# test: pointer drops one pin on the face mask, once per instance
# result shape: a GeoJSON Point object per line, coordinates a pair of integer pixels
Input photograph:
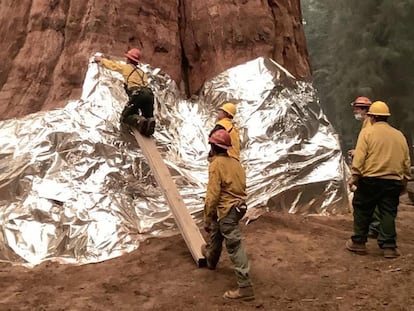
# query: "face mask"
{"type": "Point", "coordinates": [358, 117]}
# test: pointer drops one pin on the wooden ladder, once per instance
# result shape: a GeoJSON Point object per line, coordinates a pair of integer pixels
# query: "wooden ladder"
{"type": "Point", "coordinates": [185, 222]}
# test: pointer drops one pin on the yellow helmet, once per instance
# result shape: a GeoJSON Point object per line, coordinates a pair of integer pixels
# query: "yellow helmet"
{"type": "Point", "coordinates": [379, 108]}
{"type": "Point", "coordinates": [230, 108]}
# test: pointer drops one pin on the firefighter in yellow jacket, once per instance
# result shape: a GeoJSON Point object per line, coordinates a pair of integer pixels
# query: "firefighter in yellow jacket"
{"type": "Point", "coordinates": [380, 170]}
{"type": "Point", "coordinates": [225, 117]}
{"type": "Point", "coordinates": [224, 207]}
{"type": "Point", "coordinates": [139, 111]}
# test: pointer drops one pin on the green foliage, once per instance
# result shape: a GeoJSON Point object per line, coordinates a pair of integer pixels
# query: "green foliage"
{"type": "Point", "coordinates": [362, 48]}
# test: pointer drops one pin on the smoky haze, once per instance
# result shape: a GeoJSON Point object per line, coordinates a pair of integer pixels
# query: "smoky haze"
{"type": "Point", "coordinates": [362, 48]}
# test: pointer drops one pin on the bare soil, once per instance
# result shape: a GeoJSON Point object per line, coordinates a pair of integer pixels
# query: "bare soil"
{"type": "Point", "coordinates": [297, 263]}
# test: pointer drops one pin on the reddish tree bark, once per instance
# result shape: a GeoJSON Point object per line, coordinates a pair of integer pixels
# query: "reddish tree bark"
{"type": "Point", "coordinates": [46, 44]}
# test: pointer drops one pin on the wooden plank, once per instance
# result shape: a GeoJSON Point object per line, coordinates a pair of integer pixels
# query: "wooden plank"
{"type": "Point", "coordinates": [185, 222]}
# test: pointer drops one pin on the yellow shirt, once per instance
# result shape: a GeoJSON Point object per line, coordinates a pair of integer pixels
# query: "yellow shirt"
{"type": "Point", "coordinates": [228, 125]}
{"type": "Point", "coordinates": [381, 152]}
{"type": "Point", "coordinates": [226, 186]}
{"type": "Point", "coordinates": [366, 123]}
{"type": "Point", "coordinates": [136, 79]}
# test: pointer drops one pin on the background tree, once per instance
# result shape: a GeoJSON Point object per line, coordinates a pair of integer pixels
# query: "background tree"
{"type": "Point", "coordinates": [362, 48]}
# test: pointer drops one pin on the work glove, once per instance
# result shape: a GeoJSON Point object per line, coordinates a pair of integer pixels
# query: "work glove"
{"type": "Point", "coordinates": [241, 209]}
{"type": "Point", "coordinates": [353, 182]}
{"type": "Point", "coordinates": [97, 58]}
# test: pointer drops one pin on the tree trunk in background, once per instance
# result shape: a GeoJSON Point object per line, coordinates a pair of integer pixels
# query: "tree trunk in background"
{"type": "Point", "coordinates": [45, 45]}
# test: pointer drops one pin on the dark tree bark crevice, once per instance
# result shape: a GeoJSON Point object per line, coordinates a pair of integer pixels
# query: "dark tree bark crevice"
{"type": "Point", "coordinates": [185, 66]}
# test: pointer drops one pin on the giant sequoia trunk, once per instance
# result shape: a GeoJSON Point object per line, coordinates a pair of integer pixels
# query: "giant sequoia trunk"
{"type": "Point", "coordinates": [45, 44]}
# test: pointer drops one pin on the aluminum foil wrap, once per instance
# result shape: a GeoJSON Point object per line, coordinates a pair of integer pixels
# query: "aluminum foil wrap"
{"type": "Point", "coordinates": [76, 188]}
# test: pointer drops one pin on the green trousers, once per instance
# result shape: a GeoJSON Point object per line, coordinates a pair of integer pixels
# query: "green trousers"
{"type": "Point", "coordinates": [227, 229]}
{"type": "Point", "coordinates": [140, 103]}
{"type": "Point", "coordinates": [383, 194]}
{"type": "Point", "coordinates": [375, 221]}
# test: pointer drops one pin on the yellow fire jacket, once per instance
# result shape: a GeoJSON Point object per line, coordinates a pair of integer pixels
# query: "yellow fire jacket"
{"type": "Point", "coordinates": [366, 123]}
{"type": "Point", "coordinates": [228, 125]}
{"type": "Point", "coordinates": [381, 152]}
{"type": "Point", "coordinates": [226, 186]}
{"type": "Point", "coordinates": [133, 78]}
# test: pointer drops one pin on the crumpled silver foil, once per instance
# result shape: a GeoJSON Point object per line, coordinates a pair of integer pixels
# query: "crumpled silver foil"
{"type": "Point", "coordinates": [74, 188]}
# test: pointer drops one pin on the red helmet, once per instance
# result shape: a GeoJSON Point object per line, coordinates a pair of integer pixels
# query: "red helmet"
{"type": "Point", "coordinates": [133, 54]}
{"type": "Point", "coordinates": [220, 138]}
{"type": "Point", "coordinates": [361, 101]}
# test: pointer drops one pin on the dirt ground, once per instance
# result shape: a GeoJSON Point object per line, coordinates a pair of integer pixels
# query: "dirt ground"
{"type": "Point", "coordinates": [297, 263]}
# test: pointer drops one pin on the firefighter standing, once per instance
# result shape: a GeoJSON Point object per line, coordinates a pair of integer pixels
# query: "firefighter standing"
{"type": "Point", "coordinates": [380, 170]}
{"type": "Point", "coordinates": [139, 111]}
{"type": "Point", "coordinates": [224, 207]}
{"type": "Point", "coordinates": [360, 109]}
{"type": "Point", "coordinates": [225, 117]}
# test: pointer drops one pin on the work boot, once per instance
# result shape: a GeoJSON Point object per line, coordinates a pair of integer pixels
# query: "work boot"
{"type": "Point", "coordinates": [141, 124]}
{"type": "Point", "coordinates": [150, 127]}
{"type": "Point", "coordinates": [358, 248]}
{"type": "Point", "coordinates": [204, 252]}
{"type": "Point", "coordinates": [242, 293]}
{"type": "Point", "coordinates": [391, 253]}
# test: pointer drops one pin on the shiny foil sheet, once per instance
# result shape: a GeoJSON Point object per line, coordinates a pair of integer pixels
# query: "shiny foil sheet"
{"type": "Point", "coordinates": [75, 188]}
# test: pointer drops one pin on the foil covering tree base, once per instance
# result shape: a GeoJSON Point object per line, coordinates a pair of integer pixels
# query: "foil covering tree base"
{"type": "Point", "coordinates": [75, 187]}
